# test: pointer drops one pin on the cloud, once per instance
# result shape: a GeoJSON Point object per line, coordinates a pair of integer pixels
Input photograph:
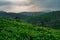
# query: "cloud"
{"type": "Point", "coordinates": [29, 5]}
{"type": "Point", "coordinates": [4, 3]}
{"type": "Point", "coordinates": [49, 4]}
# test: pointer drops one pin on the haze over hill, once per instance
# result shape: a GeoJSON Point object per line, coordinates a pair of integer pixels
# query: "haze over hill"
{"type": "Point", "coordinates": [47, 19]}
{"type": "Point", "coordinates": [13, 14]}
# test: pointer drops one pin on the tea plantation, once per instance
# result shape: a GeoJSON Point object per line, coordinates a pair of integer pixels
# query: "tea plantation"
{"type": "Point", "coordinates": [13, 30]}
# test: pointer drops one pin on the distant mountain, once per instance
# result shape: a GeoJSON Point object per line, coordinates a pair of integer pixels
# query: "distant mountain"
{"type": "Point", "coordinates": [32, 13]}
{"type": "Point", "coordinates": [46, 19]}
{"type": "Point", "coordinates": [20, 16]}
{"type": "Point", "coordinates": [11, 15]}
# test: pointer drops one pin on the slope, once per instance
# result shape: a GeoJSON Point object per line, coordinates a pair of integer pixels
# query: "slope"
{"type": "Point", "coordinates": [51, 19]}
{"type": "Point", "coordinates": [13, 30]}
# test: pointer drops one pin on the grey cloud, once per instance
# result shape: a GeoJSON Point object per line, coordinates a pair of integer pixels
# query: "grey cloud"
{"type": "Point", "coordinates": [54, 4]}
{"type": "Point", "coordinates": [35, 4]}
{"type": "Point", "coordinates": [4, 3]}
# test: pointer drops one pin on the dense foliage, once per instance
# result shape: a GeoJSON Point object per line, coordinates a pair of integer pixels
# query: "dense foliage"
{"type": "Point", "coordinates": [51, 19]}
{"type": "Point", "coordinates": [13, 30]}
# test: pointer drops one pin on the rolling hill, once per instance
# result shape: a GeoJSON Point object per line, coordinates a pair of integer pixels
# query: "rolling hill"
{"type": "Point", "coordinates": [13, 30]}
{"type": "Point", "coordinates": [22, 16]}
{"type": "Point", "coordinates": [47, 19]}
{"type": "Point", "coordinates": [11, 15]}
{"type": "Point", "coordinates": [51, 19]}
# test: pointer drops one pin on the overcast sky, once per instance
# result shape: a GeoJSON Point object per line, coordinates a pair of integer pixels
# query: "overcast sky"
{"type": "Point", "coordinates": [29, 5]}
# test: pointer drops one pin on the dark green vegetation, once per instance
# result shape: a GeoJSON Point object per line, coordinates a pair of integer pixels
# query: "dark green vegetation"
{"type": "Point", "coordinates": [30, 26]}
{"type": "Point", "coordinates": [51, 19]}
{"type": "Point", "coordinates": [13, 30]}
{"type": "Point", "coordinates": [47, 19]}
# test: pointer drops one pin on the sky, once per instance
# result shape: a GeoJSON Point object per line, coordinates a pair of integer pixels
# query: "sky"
{"type": "Point", "coordinates": [29, 5]}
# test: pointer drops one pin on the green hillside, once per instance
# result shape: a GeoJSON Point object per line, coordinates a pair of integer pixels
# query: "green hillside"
{"type": "Point", "coordinates": [13, 30]}
{"type": "Point", "coordinates": [51, 19]}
